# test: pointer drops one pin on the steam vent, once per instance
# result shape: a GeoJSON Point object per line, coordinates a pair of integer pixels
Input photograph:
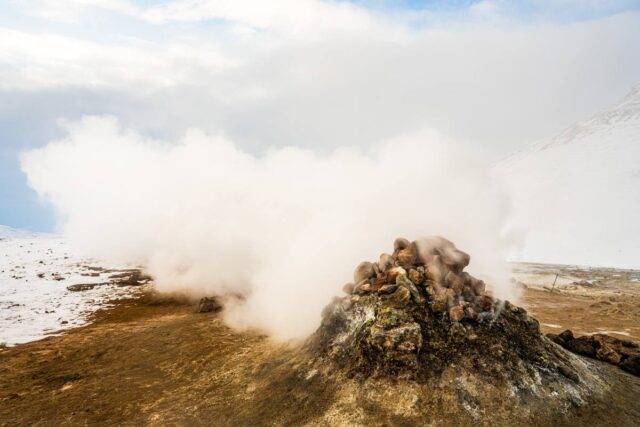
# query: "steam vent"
{"type": "Point", "coordinates": [416, 317]}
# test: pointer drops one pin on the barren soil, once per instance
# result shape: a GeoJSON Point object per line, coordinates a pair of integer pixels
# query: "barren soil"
{"type": "Point", "coordinates": [157, 362]}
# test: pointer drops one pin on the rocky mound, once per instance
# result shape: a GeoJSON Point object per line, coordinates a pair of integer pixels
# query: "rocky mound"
{"type": "Point", "coordinates": [416, 315]}
{"type": "Point", "coordinates": [416, 311]}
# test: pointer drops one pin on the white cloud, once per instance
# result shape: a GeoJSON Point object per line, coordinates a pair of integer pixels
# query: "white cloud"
{"type": "Point", "coordinates": [35, 61]}
{"type": "Point", "coordinates": [293, 17]}
{"type": "Point", "coordinates": [71, 11]}
{"type": "Point", "coordinates": [495, 86]}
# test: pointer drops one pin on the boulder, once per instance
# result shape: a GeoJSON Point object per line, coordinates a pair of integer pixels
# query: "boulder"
{"type": "Point", "coordinates": [403, 280]}
{"type": "Point", "coordinates": [456, 313]}
{"type": "Point", "coordinates": [582, 345]}
{"type": "Point", "coordinates": [209, 305]}
{"type": "Point", "coordinates": [632, 364]}
{"type": "Point", "coordinates": [408, 257]}
{"type": "Point", "coordinates": [363, 271]}
{"type": "Point", "coordinates": [400, 243]}
{"type": "Point", "coordinates": [477, 286]}
{"type": "Point", "coordinates": [435, 271]}
{"type": "Point", "coordinates": [606, 353]}
{"type": "Point", "coordinates": [399, 298]}
{"type": "Point", "coordinates": [348, 288]}
{"type": "Point", "coordinates": [450, 256]}
{"type": "Point", "coordinates": [80, 287]}
{"type": "Point", "coordinates": [416, 276]}
{"type": "Point", "coordinates": [393, 273]}
{"type": "Point", "coordinates": [387, 289]}
{"type": "Point", "coordinates": [363, 288]}
{"type": "Point", "coordinates": [484, 302]}
{"type": "Point", "coordinates": [385, 262]}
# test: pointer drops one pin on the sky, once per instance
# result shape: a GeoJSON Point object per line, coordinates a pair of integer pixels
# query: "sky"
{"type": "Point", "coordinates": [494, 75]}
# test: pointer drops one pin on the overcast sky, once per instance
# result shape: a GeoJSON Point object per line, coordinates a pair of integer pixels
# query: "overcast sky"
{"type": "Point", "coordinates": [494, 75]}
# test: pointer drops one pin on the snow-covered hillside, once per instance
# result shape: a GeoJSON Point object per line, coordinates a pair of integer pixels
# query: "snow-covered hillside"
{"type": "Point", "coordinates": [35, 271]}
{"type": "Point", "coordinates": [6, 232]}
{"type": "Point", "coordinates": [577, 194]}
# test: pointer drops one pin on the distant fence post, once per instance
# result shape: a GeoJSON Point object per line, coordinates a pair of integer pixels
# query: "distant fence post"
{"type": "Point", "coordinates": [554, 283]}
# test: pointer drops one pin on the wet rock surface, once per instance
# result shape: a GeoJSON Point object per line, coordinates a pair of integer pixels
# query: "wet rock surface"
{"type": "Point", "coordinates": [625, 354]}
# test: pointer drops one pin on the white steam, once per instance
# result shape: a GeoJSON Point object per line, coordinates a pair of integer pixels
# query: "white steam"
{"type": "Point", "coordinates": [285, 229]}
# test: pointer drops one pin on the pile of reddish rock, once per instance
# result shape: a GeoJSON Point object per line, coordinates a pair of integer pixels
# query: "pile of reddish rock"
{"type": "Point", "coordinates": [623, 353]}
{"type": "Point", "coordinates": [429, 272]}
{"type": "Point", "coordinates": [416, 312]}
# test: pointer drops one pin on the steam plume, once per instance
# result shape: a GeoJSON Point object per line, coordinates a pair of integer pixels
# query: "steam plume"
{"type": "Point", "coordinates": [284, 229]}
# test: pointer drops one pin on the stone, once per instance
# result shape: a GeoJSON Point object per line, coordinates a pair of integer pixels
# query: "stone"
{"type": "Point", "coordinates": [485, 316]}
{"type": "Point", "coordinates": [582, 345]}
{"type": "Point", "coordinates": [451, 297]}
{"type": "Point", "coordinates": [431, 290]}
{"type": "Point", "coordinates": [208, 305]}
{"type": "Point", "coordinates": [363, 271]}
{"type": "Point", "coordinates": [439, 303]}
{"type": "Point", "coordinates": [400, 243]}
{"type": "Point", "coordinates": [448, 254]}
{"type": "Point", "coordinates": [631, 364]}
{"type": "Point", "coordinates": [477, 286]}
{"type": "Point", "coordinates": [403, 280]}
{"type": "Point", "coordinates": [393, 273]}
{"type": "Point", "coordinates": [607, 354]}
{"type": "Point", "coordinates": [416, 276]}
{"type": "Point", "coordinates": [456, 313]}
{"type": "Point", "coordinates": [376, 269]}
{"type": "Point", "coordinates": [484, 302]}
{"type": "Point", "coordinates": [348, 288]}
{"type": "Point", "coordinates": [435, 271]}
{"type": "Point", "coordinates": [531, 323]}
{"type": "Point", "coordinates": [566, 336]}
{"type": "Point", "coordinates": [623, 347]}
{"type": "Point", "coordinates": [408, 256]}
{"type": "Point", "coordinates": [387, 289]}
{"type": "Point", "coordinates": [83, 287]}
{"type": "Point", "coordinates": [399, 346]}
{"type": "Point", "coordinates": [400, 298]}
{"type": "Point", "coordinates": [470, 313]}
{"type": "Point", "coordinates": [455, 283]}
{"type": "Point", "coordinates": [556, 339]}
{"type": "Point", "coordinates": [363, 288]}
{"type": "Point", "coordinates": [377, 284]}
{"type": "Point", "coordinates": [385, 263]}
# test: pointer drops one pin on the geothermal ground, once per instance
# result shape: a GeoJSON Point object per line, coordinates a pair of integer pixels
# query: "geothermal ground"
{"type": "Point", "coordinates": [147, 359]}
{"type": "Point", "coordinates": [150, 360]}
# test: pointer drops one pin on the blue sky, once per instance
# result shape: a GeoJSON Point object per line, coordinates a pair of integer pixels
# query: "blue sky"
{"type": "Point", "coordinates": [496, 75]}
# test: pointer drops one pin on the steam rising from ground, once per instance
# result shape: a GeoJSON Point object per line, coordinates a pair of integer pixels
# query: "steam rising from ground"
{"type": "Point", "coordinates": [285, 229]}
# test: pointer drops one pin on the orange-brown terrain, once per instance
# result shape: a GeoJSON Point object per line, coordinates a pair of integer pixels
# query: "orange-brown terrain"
{"type": "Point", "coordinates": [155, 361]}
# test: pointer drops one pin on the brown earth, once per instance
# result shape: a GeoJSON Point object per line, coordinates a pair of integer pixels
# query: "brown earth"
{"type": "Point", "coordinates": [149, 361]}
{"type": "Point", "coordinates": [585, 300]}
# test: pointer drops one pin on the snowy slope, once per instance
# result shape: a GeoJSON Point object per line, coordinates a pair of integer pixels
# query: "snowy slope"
{"type": "Point", "coordinates": [577, 194]}
{"type": "Point", "coordinates": [6, 232]}
{"type": "Point", "coordinates": [35, 270]}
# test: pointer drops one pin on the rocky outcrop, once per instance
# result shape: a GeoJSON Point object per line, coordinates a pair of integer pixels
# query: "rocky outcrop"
{"type": "Point", "coordinates": [625, 354]}
{"type": "Point", "coordinates": [209, 305]}
{"type": "Point", "coordinates": [415, 313]}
